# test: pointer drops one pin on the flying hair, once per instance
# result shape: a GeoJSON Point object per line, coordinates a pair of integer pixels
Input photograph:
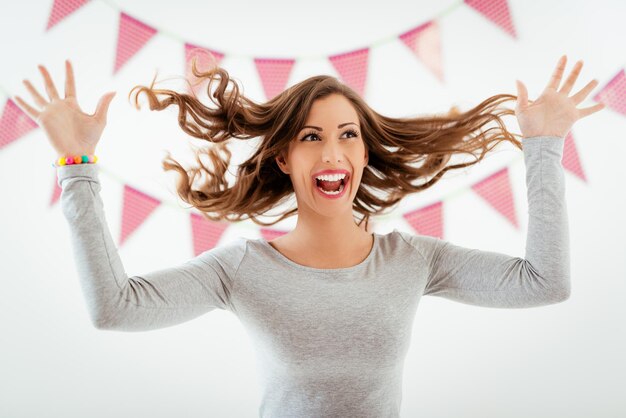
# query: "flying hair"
{"type": "Point", "coordinates": [406, 154]}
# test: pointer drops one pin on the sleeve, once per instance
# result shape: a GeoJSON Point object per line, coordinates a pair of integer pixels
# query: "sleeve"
{"type": "Point", "coordinates": [492, 279]}
{"type": "Point", "coordinates": [157, 299]}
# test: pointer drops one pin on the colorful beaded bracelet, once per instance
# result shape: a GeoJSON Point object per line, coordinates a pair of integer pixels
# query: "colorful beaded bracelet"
{"type": "Point", "coordinates": [75, 159]}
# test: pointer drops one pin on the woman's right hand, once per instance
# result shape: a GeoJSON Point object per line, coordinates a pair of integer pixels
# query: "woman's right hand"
{"type": "Point", "coordinates": [70, 130]}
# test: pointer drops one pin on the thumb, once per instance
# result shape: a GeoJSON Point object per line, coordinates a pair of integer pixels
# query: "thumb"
{"type": "Point", "coordinates": [103, 106]}
{"type": "Point", "coordinates": [522, 95]}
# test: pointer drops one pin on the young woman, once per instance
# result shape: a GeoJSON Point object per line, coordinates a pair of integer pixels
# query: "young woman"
{"type": "Point", "coordinates": [329, 305]}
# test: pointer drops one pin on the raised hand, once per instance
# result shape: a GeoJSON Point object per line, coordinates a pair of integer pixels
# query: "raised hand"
{"type": "Point", "coordinates": [554, 112]}
{"type": "Point", "coordinates": [70, 130]}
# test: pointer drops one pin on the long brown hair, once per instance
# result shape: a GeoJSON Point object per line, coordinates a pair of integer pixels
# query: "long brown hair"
{"type": "Point", "coordinates": [396, 145]}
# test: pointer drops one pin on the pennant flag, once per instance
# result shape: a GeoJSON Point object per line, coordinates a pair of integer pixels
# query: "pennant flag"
{"type": "Point", "coordinates": [274, 74]}
{"type": "Point", "coordinates": [425, 42]}
{"type": "Point", "coordinates": [14, 123]}
{"type": "Point", "coordinates": [570, 161]}
{"type": "Point", "coordinates": [613, 95]}
{"type": "Point", "coordinates": [63, 8]}
{"type": "Point", "coordinates": [269, 233]}
{"type": "Point", "coordinates": [427, 220]}
{"type": "Point", "coordinates": [352, 67]}
{"type": "Point", "coordinates": [496, 190]}
{"type": "Point", "coordinates": [495, 10]}
{"type": "Point", "coordinates": [136, 208]}
{"type": "Point", "coordinates": [205, 60]}
{"type": "Point", "coordinates": [206, 234]}
{"type": "Point", "coordinates": [56, 192]}
{"type": "Point", "coordinates": [132, 36]}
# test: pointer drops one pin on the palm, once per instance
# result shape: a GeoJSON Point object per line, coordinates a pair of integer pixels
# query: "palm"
{"type": "Point", "coordinates": [64, 121]}
{"type": "Point", "coordinates": [554, 113]}
{"type": "Point", "coordinates": [69, 129]}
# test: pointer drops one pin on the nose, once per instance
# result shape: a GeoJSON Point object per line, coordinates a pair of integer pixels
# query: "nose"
{"type": "Point", "coordinates": [332, 152]}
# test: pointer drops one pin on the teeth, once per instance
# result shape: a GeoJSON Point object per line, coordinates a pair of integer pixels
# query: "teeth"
{"type": "Point", "coordinates": [331, 177]}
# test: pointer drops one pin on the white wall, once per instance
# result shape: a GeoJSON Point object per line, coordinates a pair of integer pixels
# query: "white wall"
{"type": "Point", "coordinates": [464, 361]}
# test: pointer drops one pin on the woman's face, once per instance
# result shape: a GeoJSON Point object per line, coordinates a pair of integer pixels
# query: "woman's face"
{"type": "Point", "coordinates": [330, 140]}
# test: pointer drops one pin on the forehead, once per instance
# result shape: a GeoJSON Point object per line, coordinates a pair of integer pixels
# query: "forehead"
{"type": "Point", "coordinates": [332, 110]}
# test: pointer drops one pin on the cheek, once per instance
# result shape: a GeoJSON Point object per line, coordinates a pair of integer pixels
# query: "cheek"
{"type": "Point", "coordinates": [301, 183]}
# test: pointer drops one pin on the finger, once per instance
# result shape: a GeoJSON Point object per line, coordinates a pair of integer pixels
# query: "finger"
{"type": "Point", "coordinates": [32, 112]}
{"type": "Point", "coordinates": [38, 99]}
{"type": "Point", "coordinates": [569, 83]}
{"type": "Point", "coordinates": [70, 87]}
{"type": "Point", "coordinates": [586, 111]}
{"type": "Point", "coordinates": [52, 91]}
{"type": "Point", "coordinates": [522, 95]}
{"type": "Point", "coordinates": [557, 74]}
{"type": "Point", "coordinates": [103, 106]}
{"type": "Point", "coordinates": [584, 92]}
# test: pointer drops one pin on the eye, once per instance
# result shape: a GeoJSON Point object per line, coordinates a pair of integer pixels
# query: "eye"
{"type": "Point", "coordinates": [349, 131]}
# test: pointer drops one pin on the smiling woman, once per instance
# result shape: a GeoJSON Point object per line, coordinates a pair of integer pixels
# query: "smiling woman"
{"type": "Point", "coordinates": [330, 307]}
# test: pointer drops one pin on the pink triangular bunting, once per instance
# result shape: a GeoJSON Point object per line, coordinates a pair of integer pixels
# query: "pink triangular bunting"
{"type": "Point", "coordinates": [63, 8]}
{"type": "Point", "coordinates": [427, 220]}
{"type": "Point", "coordinates": [496, 190]}
{"type": "Point", "coordinates": [352, 67]}
{"type": "Point", "coordinates": [613, 95]}
{"type": "Point", "coordinates": [205, 60]}
{"type": "Point", "coordinates": [497, 11]}
{"type": "Point", "coordinates": [136, 208]}
{"type": "Point", "coordinates": [274, 74]}
{"type": "Point", "coordinates": [14, 123]}
{"type": "Point", "coordinates": [132, 36]}
{"type": "Point", "coordinates": [206, 234]}
{"type": "Point", "coordinates": [425, 42]}
{"type": "Point", "coordinates": [571, 160]}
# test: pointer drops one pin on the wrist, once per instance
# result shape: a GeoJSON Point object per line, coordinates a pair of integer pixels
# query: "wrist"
{"type": "Point", "coordinates": [73, 159]}
{"type": "Point", "coordinates": [77, 151]}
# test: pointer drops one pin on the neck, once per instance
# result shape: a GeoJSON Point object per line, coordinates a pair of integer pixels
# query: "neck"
{"type": "Point", "coordinates": [331, 237]}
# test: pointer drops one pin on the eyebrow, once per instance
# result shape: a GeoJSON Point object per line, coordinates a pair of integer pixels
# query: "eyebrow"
{"type": "Point", "coordinates": [320, 129]}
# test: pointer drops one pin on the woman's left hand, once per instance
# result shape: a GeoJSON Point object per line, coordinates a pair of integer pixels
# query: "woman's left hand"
{"type": "Point", "coordinates": [554, 113]}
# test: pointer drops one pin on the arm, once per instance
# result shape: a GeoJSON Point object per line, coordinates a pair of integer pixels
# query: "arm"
{"type": "Point", "coordinates": [158, 299]}
{"type": "Point", "coordinates": [496, 280]}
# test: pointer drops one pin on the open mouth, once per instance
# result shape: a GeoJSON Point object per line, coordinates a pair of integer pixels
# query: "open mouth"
{"type": "Point", "coordinates": [332, 188]}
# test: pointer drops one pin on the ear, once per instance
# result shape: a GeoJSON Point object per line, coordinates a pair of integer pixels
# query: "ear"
{"type": "Point", "coordinates": [366, 158]}
{"type": "Point", "coordinates": [282, 165]}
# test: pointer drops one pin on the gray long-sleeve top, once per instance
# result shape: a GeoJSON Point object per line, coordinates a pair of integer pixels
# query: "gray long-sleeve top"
{"type": "Point", "coordinates": [329, 342]}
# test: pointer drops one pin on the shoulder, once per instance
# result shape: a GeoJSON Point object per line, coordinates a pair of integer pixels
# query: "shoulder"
{"type": "Point", "coordinates": [226, 257]}
{"type": "Point", "coordinates": [425, 245]}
